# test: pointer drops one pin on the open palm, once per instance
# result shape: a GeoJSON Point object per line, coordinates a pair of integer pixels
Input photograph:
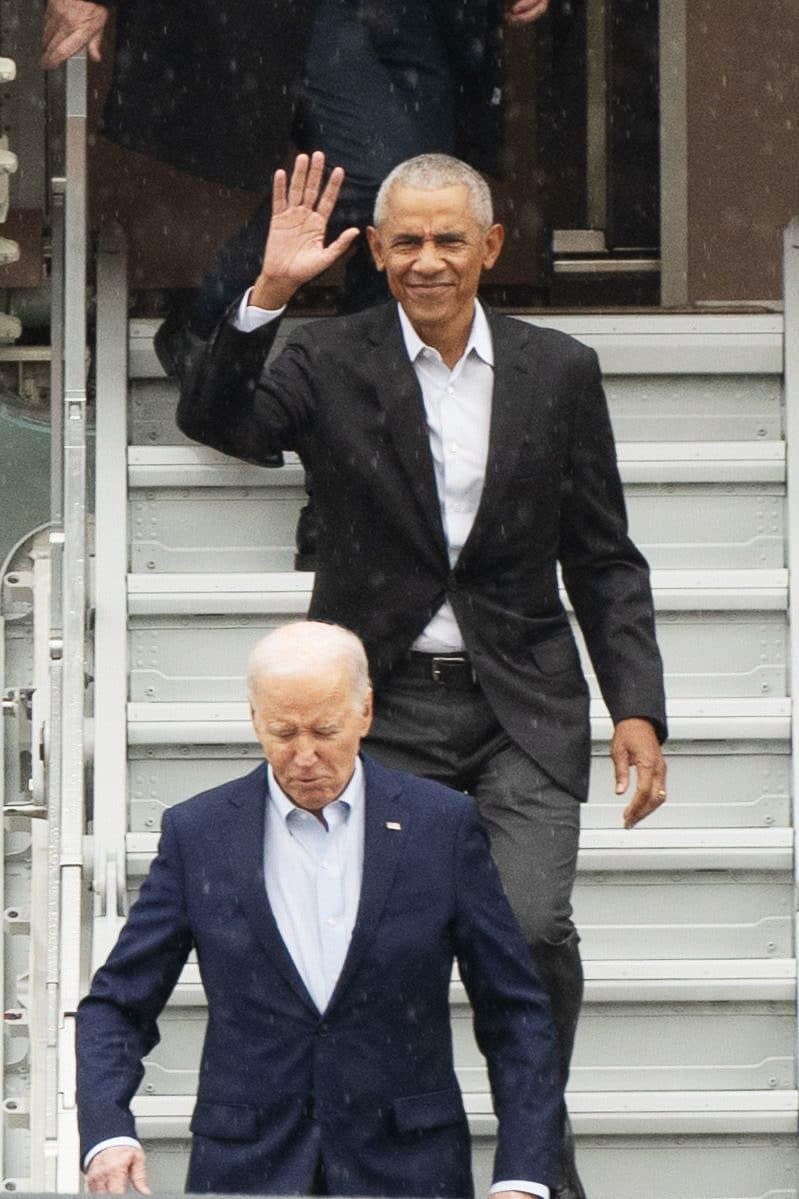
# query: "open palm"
{"type": "Point", "coordinates": [295, 247]}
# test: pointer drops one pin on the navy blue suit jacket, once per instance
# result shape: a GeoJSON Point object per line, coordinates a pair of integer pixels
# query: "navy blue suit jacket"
{"type": "Point", "coordinates": [368, 1086]}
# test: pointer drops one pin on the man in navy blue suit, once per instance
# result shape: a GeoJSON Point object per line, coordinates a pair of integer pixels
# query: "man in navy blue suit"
{"type": "Point", "coordinates": [326, 898]}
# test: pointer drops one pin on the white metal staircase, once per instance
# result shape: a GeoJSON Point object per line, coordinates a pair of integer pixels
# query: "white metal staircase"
{"type": "Point", "coordinates": [684, 1075]}
{"type": "Point", "coordinates": [684, 1079]}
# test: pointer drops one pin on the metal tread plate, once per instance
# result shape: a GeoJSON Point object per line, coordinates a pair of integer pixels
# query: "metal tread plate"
{"type": "Point", "coordinates": [689, 720]}
{"type": "Point", "coordinates": [612, 1113]}
{"type": "Point", "coordinates": [639, 462]}
{"type": "Point", "coordinates": [645, 344]}
{"type": "Point", "coordinates": [252, 593]}
{"type": "Point", "coordinates": [744, 980]}
{"type": "Point", "coordinates": [608, 851]}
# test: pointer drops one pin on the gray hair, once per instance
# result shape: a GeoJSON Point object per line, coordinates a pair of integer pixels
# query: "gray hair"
{"type": "Point", "coordinates": [432, 171]}
{"type": "Point", "coordinates": [304, 647]}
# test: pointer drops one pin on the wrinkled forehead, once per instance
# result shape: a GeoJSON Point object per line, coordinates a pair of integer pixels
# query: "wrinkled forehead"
{"type": "Point", "coordinates": [422, 209]}
{"type": "Point", "coordinates": [327, 689]}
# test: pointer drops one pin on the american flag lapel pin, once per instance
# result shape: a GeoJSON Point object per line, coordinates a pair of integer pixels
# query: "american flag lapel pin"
{"type": "Point", "coordinates": [394, 825]}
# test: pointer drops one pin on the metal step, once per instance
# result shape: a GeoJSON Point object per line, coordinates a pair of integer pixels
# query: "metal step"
{"type": "Point", "coordinates": [689, 720]}
{"type": "Point", "coordinates": [249, 513]}
{"type": "Point", "coordinates": [712, 784]}
{"type": "Point", "coordinates": [263, 594]}
{"type": "Point", "coordinates": [639, 462]}
{"type": "Point", "coordinates": [656, 1113]}
{"type": "Point", "coordinates": [732, 654]}
{"type": "Point", "coordinates": [734, 980]}
{"type": "Point", "coordinates": [672, 1046]}
{"type": "Point", "coordinates": [696, 408]}
{"type": "Point", "coordinates": [638, 344]}
{"type": "Point", "coordinates": [606, 851]}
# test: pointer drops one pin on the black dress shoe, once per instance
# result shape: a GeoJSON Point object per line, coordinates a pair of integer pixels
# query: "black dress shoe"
{"type": "Point", "coordinates": [176, 345]}
{"type": "Point", "coordinates": [567, 1191]}
{"type": "Point", "coordinates": [569, 1184]}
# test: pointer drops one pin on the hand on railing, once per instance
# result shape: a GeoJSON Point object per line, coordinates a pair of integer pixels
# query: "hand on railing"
{"type": "Point", "coordinates": [524, 12]}
{"type": "Point", "coordinates": [69, 27]}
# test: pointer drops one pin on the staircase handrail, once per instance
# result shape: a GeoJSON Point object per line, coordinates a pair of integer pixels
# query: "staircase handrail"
{"type": "Point", "coordinates": [791, 418]}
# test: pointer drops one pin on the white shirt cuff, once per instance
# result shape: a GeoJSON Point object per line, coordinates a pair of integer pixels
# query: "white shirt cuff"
{"type": "Point", "coordinates": [521, 1184]}
{"type": "Point", "coordinates": [109, 1144]}
{"type": "Point", "coordinates": [248, 318]}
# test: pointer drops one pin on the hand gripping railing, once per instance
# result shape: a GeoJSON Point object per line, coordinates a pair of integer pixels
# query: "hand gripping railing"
{"type": "Point", "coordinates": [791, 344]}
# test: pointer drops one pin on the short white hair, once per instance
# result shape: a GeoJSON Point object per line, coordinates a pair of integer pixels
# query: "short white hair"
{"type": "Point", "coordinates": [429, 172]}
{"type": "Point", "coordinates": [304, 647]}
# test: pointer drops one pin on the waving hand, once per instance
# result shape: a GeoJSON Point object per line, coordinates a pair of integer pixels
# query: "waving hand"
{"type": "Point", "coordinates": [295, 247]}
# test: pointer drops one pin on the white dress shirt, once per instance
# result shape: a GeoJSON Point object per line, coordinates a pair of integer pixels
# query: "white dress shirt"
{"type": "Point", "coordinates": [457, 406]}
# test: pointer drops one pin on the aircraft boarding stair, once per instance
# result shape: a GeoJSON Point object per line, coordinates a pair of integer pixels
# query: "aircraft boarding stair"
{"type": "Point", "coordinates": [684, 1080]}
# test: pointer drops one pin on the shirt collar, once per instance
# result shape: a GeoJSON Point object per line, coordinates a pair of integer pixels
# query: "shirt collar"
{"type": "Point", "coordinates": [350, 798]}
{"type": "Point", "coordinates": [479, 336]}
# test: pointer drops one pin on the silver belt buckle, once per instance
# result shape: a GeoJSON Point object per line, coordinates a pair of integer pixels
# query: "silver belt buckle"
{"type": "Point", "coordinates": [440, 662]}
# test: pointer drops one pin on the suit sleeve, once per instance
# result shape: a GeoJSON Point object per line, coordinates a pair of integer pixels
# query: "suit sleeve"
{"type": "Point", "coordinates": [605, 575]}
{"type": "Point", "coordinates": [232, 402]}
{"type": "Point", "coordinates": [116, 1022]}
{"type": "Point", "coordinates": [512, 1019]}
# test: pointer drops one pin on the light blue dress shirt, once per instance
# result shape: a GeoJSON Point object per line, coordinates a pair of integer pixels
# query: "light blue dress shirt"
{"type": "Point", "coordinates": [313, 870]}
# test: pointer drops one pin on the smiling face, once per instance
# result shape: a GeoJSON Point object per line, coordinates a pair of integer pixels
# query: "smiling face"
{"type": "Point", "coordinates": [310, 728]}
{"type": "Point", "coordinates": [434, 250]}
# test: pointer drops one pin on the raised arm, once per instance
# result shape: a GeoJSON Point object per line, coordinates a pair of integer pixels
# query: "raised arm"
{"type": "Point", "coordinates": [221, 404]}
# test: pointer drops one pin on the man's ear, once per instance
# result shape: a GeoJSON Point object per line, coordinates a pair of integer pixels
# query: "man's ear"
{"type": "Point", "coordinates": [373, 237]}
{"type": "Point", "coordinates": [368, 712]}
{"type": "Point", "coordinates": [494, 241]}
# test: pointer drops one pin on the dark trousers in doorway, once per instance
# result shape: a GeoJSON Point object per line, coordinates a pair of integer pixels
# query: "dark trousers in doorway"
{"type": "Point", "coordinates": [377, 90]}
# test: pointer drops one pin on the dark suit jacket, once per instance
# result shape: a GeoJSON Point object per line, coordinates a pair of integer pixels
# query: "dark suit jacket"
{"type": "Point", "coordinates": [210, 86]}
{"type": "Point", "coordinates": [344, 394]}
{"type": "Point", "coordinates": [369, 1084]}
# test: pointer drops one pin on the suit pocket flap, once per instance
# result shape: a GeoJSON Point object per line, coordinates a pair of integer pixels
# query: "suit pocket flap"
{"type": "Point", "coordinates": [433, 1110]}
{"type": "Point", "coordinates": [225, 1121]}
{"type": "Point", "coordinates": [556, 653]}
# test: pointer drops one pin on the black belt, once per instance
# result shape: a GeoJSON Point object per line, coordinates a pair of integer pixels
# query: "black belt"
{"type": "Point", "coordinates": [448, 670]}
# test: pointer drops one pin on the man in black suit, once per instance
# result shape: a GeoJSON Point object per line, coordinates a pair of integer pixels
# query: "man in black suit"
{"type": "Point", "coordinates": [458, 458]}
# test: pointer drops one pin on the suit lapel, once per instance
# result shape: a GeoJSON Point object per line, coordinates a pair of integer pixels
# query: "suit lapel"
{"type": "Point", "coordinates": [514, 414]}
{"type": "Point", "coordinates": [247, 863]}
{"type": "Point", "coordinates": [400, 397]}
{"type": "Point", "coordinates": [384, 843]}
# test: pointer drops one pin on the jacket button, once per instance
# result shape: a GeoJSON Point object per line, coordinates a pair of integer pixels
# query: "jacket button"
{"type": "Point", "coordinates": [322, 1030]}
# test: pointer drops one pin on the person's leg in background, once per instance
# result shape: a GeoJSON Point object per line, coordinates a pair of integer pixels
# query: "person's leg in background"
{"type": "Point", "coordinates": [377, 90]}
{"type": "Point", "coordinates": [449, 733]}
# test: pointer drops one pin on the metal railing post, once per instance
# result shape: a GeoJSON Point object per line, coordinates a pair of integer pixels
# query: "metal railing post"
{"type": "Point", "coordinates": [67, 654]}
{"type": "Point", "coordinates": [109, 809]}
{"type": "Point", "coordinates": [791, 416]}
